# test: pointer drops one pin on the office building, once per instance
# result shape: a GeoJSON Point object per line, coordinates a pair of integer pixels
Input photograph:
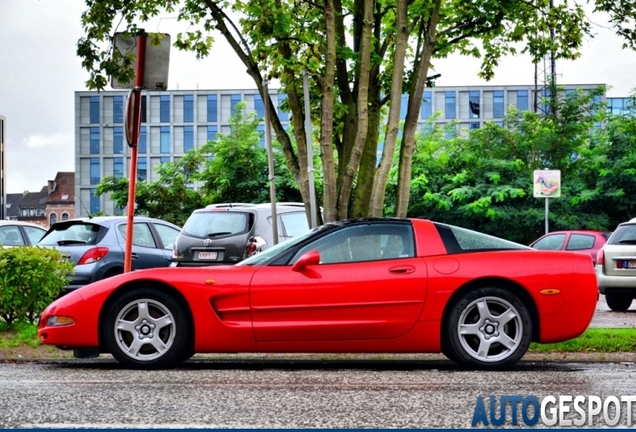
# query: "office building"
{"type": "Point", "coordinates": [172, 122]}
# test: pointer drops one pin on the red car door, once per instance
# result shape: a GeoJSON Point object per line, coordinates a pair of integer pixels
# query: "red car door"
{"type": "Point", "coordinates": [375, 297]}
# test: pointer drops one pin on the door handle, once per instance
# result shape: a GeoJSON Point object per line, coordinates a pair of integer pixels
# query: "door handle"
{"type": "Point", "coordinates": [402, 269]}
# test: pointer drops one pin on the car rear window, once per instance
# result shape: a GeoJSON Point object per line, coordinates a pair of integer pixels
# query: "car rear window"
{"type": "Point", "coordinates": [69, 234]}
{"type": "Point", "coordinates": [215, 223]}
{"type": "Point", "coordinates": [458, 240]}
{"type": "Point", "coordinates": [624, 234]}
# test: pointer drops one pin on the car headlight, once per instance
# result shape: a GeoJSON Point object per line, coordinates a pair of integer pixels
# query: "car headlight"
{"type": "Point", "coordinates": [59, 320]}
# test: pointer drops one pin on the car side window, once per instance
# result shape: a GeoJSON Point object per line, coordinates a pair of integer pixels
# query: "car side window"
{"type": "Point", "coordinates": [34, 234]}
{"type": "Point", "coordinates": [363, 243]}
{"type": "Point", "coordinates": [294, 223]}
{"type": "Point", "coordinates": [580, 241]}
{"type": "Point", "coordinates": [10, 236]}
{"type": "Point", "coordinates": [167, 235]}
{"type": "Point", "coordinates": [551, 242]}
{"type": "Point", "coordinates": [141, 235]}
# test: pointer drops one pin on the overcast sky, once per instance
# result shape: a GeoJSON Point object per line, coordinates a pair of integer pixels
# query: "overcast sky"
{"type": "Point", "coordinates": [40, 73]}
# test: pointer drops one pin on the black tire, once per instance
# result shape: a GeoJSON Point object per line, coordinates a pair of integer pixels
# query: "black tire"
{"type": "Point", "coordinates": [148, 329]}
{"type": "Point", "coordinates": [617, 301]}
{"type": "Point", "coordinates": [487, 328]}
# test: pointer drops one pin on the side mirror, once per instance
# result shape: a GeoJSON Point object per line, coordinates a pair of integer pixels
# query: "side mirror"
{"type": "Point", "coordinates": [310, 258]}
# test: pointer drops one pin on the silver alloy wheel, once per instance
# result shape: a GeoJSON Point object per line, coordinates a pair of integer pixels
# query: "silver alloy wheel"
{"type": "Point", "coordinates": [144, 329]}
{"type": "Point", "coordinates": [490, 329]}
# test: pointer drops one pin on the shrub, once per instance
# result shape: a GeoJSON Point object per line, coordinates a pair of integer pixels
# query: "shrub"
{"type": "Point", "coordinates": [30, 278]}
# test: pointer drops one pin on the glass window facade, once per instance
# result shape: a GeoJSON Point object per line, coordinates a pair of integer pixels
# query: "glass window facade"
{"type": "Point", "coordinates": [474, 125]}
{"type": "Point", "coordinates": [143, 140]}
{"type": "Point", "coordinates": [522, 100]}
{"type": "Point", "coordinates": [95, 175]}
{"type": "Point", "coordinates": [164, 108]}
{"type": "Point", "coordinates": [212, 108]}
{"type": "Point", "coordinates": [142, 168]}
{"type": "Point", "coordinates": [473, 105]}
{"type": "Point", "coordinates": [95, 204]}
{"type": "Point", "coordinates": [188, 108]}
{"type": "Point", "coordinates": [118, 140]}
{"type": "Point", "coordinates": [164, 139]}
{"type": "Point", "coordinates": [94, 144]}
{"type": "Point", "coordinates": [94, 109]}
{"type": "Point", "coordinates": [259, 106]}
{"type": "Point", "coordinates": [427, 105]}
{"type": "Point", "coordinates": [498, 104]}
{"type": "Point", "coordinates": [118, 167]}
{"type": "Point", "coordinates": [188, 138]}
{"type": "Point", "coordinates": [118, 109]}
{"type": "Point", "coordinates": [450, 100]}
{"type": "Point", "coordinates": [212, 133]}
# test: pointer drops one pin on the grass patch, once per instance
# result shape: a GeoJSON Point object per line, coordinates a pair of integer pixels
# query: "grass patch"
{"type": "Point", "coordinates": [603, 340]}
{"type": "Point", "coordinates": [21, 334]}
{"type": "Point", "coordinates": [594, 340]}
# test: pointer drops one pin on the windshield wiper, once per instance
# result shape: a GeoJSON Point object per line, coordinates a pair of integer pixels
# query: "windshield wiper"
{"type": "Point", "coordinates": [70, 242]}
{"type": "Point", "coordinates": [220, 233]}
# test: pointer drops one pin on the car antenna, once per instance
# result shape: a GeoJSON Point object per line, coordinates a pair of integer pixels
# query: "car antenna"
{"type": "Point", "coordinates": [90, 216]}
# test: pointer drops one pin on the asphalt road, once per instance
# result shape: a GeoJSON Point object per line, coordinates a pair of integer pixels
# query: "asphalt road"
{"type": "Point", "coordinates": [410, 392]}
{"type": "Point", "coordinates": [604, 317]}
{"type": "Point", "coordinates": [296, 391]}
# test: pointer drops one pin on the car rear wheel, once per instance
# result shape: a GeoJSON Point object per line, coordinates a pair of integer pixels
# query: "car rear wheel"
{"type": "Point", "coordinates": [148, 329]}
{"type": "Point", "coordinates": [487, 328]}
{"type": "Point", "coordinates": [618, 302]}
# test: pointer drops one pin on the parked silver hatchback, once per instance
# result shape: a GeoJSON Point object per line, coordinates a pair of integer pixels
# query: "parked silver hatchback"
{"type": "Point", "coordinates": [616, 267]}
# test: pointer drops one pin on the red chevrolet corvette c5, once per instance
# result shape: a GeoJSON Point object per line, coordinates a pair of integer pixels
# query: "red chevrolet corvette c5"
{"type": "Point", "coordinates": [359, 286]}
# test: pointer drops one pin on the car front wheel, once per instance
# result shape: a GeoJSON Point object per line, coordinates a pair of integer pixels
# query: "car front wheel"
{"type": "Point", "coordinates": [487, 328]}
{"type": "Point", "coordinates": [618, 302]}
{"type": "Point", "coordinates": [148, 329]}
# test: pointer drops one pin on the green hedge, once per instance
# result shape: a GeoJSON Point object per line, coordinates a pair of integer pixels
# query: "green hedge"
{"type": "Point", "coordinates": [30, 278]}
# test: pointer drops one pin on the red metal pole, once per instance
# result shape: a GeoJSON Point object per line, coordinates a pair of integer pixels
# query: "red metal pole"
{"type": "Point", "coordinates": [139, 82]}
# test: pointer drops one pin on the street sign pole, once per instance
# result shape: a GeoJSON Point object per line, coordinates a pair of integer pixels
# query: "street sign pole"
{"type": "Point", "coordinates": [133, 126]}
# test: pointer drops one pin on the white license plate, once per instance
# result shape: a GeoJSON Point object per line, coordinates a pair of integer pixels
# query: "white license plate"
{"type": "Point", "coordinates": [208, 255]}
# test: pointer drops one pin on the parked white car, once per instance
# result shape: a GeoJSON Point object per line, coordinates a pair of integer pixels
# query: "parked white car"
{"type": "Point", "coordinates": [616, 267]}
{"type": "Point", "coordinates": [18, 233]}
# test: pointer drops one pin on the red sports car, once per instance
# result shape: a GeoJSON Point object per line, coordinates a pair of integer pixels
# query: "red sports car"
{"type": "Point", "coordinates": [358, 286]}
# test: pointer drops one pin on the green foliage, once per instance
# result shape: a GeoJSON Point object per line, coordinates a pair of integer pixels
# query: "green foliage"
{"type": "Point", "coordinates": [30, 279]}
{"type": "Point", "coordinates": [483, 179]}
{"type": "Point", "coordinates": [236, 165]}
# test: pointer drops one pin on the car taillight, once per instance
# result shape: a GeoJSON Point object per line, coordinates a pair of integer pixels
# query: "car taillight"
{"type": "Point", "coordinates": [600, 257]}
{"type": "Point", "coordinates": [254, 245]}
{"type": "Point", "coordinates": [93, 255]}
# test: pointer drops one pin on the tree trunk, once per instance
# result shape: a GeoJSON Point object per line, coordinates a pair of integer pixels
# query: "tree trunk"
{"type": "Point", "coordinates": [415, 104]}
{"type": "Point", "coordinates": [326, 121]}
{"type": "Point", "coordinates": [392, 128]}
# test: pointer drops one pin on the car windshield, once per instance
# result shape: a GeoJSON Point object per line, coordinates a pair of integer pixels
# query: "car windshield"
{"type": "Point", "coordinates": [263, 257]}
{"type": "Point", "coordinates": [69, 234]}
{"type": "Point", "coordinates": [213, 223]}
